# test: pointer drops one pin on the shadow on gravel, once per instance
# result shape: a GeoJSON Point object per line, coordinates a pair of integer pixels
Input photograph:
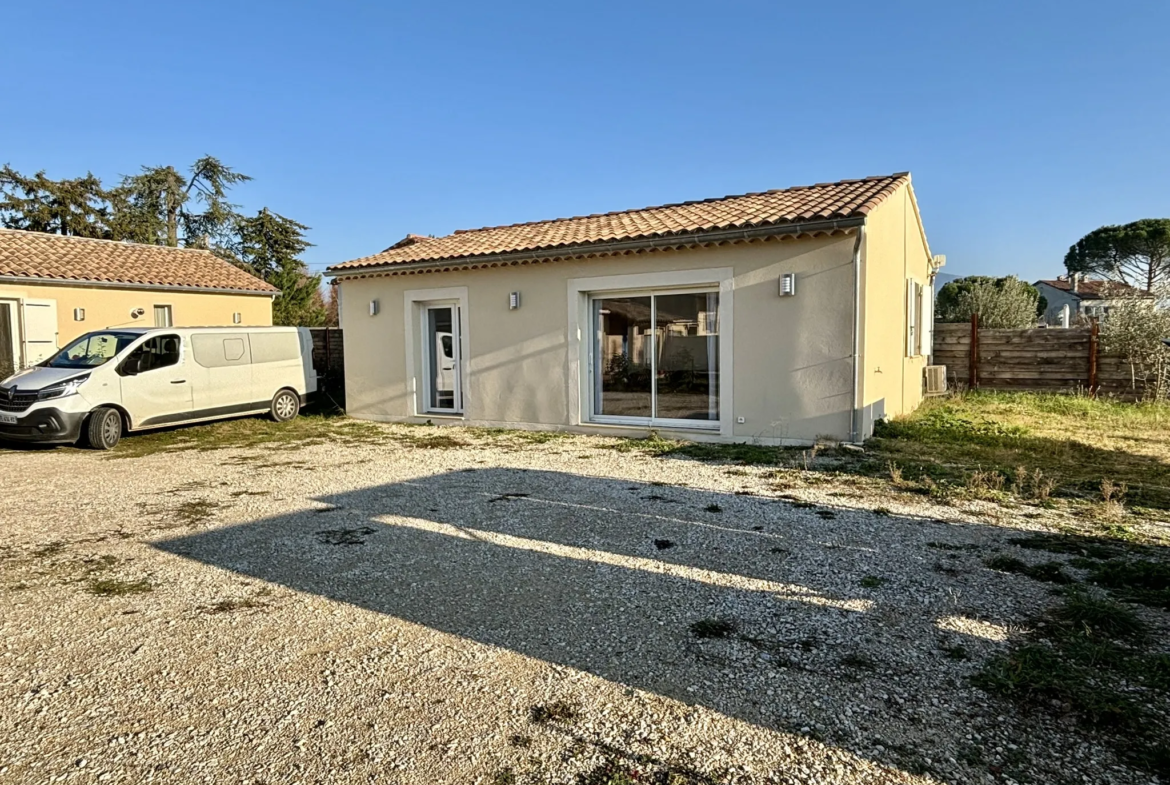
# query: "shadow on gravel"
{"type": "Point", "coordinates": [856, 630]}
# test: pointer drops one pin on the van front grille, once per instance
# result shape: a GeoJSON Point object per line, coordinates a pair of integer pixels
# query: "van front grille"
{"type": "Point", "coordinates": [13, 401]}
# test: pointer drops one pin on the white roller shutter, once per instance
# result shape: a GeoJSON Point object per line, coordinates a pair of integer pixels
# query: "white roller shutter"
{"type": "Point", "coordinates": [928, 320]}
{"type": "Point", "coordinates": [40, 330]}
{"type": "Point", "coordinates": [911, 320]}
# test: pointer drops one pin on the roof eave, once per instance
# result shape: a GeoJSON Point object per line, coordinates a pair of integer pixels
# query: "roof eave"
{"type": "Point", "coordinates": [35, 280]}
{"type": "Point", "coordinates": [664, 242]}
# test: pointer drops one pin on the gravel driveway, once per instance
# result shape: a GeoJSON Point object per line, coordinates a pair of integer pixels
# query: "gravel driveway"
{"type": "Point", "coordinates": [500, 612]}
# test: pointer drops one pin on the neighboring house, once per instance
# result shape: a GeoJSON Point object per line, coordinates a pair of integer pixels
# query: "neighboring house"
{"type": "Point", "coordinates": [54, 288]}
{"type": "Point", "coordinates": [1084, 297]}
{"type": "Point", "coordinates": [782, 317]}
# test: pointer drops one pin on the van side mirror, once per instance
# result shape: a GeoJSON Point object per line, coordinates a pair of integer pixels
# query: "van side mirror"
{"type": "Point", "coordinates": [132, 365]}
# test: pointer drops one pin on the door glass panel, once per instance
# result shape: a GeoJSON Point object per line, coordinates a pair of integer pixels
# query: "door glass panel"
{"type": "Point", "coordinates": [442, 365]}
{"type": "Point", "coordinates": [687, 345]}
{"type": "Point", "coordinates": [622, 356]}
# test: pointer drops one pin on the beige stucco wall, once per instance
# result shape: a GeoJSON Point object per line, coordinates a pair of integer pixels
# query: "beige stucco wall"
{"type": "Point", "coordinates": [791, 364]}
{"type": "Point", "coordinates": [895, 251]}
{"type": "Point", "coordinates": [111, 307]}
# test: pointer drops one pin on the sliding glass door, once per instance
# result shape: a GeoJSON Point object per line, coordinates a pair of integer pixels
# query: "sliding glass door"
{"type": "Point", "coordinates": [656, 358]}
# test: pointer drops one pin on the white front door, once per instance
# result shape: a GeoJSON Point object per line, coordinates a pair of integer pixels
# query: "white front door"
{"type": "Point", "coordinates": [156, 388]}
{"type": "Point", "coordinates": [442, 354]}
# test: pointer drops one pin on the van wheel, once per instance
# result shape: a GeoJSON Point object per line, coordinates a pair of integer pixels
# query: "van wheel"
{"type": "Point", "coordinates": [285, 406]}
{"type": "Point", "coordinates": [104, 429]}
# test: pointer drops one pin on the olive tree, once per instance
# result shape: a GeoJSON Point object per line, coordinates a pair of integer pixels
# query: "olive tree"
{"type": "Point", "coordinates": [1000, 302]}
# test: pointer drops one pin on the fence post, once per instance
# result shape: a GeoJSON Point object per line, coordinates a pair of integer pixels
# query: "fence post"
{"type": "Point", "coordinates": [973, 362]}
{"type": "Point", "coordinates": [1094, 334]}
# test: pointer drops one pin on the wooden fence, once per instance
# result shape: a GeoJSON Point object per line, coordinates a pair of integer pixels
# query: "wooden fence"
{"type": "Point", "coordinates": [1044, 360]}
{"type": "Point", "coordinates": [329, 360]}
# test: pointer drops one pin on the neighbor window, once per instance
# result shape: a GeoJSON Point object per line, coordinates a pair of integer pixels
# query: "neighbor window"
{"type": "Point", "coordinates": [162, 316]}
{"type": "Point", "coordinates": [441, 358]}
{"type": "Point", "coordinates": [656, 358]}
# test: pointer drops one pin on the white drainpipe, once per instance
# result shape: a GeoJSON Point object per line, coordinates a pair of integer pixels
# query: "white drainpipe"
{"type": "Point", "coordinates": [854, 426]}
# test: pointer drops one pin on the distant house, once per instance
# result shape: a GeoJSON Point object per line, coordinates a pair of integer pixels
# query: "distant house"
{"type": "Point", "coordinates": [777, 317]}
{"type": "Point", "coordinates": [54, 288]}
{"type": "Point", "coordinates": [1085, 297]}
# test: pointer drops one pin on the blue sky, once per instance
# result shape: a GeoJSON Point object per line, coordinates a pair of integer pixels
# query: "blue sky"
{"type": "Point", "coordinates": [1025, 125]}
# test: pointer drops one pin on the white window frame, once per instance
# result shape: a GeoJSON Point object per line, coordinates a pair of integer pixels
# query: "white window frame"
{"type": "Point", "coordinates": [582, 341]}
{"type": "Point", "coordinates": [415, 305]}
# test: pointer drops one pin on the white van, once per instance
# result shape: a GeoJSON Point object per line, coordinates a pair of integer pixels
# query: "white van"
{"type": "Point", "coordinates": [114, 381]}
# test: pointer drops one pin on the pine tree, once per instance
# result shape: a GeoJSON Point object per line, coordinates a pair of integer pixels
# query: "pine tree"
{"type": "Point", "coordinates": [269, 247]}
{"type": "Point", "coordinates": [77, 207]}
{"type": "Point", "coordinates": [153, 206]}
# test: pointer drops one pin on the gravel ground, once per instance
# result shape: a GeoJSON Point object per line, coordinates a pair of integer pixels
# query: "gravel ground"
{"type": "Point", "coordinates": [502, 612]}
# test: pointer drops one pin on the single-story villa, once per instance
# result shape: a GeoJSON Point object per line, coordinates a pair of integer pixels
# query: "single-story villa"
{"type": "Point", "coordinates": [779, 317]}
{"type": "Point", "coordinates": [54, 288]}
{"type": "Point", "coordinates": [1085, 297]}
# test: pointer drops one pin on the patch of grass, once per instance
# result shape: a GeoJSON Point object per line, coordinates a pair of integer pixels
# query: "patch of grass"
{"type": "Point", "coordinates": [1089, 547]}
{"type": "Point", "coordinates": [195, 511]}
{"type": "Point", "coordinates": [946, 546]}
{"type": "Point", "coordinates": [50, 549]}
{"type": "Point", "coordinates": [520, 740]}
{"type": "Point", "coordinates": [557, 711]}
{"type": "Point", "coordinates": [1086, 615]}
{"type": "Point", "coordinates": [714, 628]}
{"type": "Point", "coordinates": [1087, 660]}
{"type": "Point", "coordinates": [857, 661]}
{"type": "Point", "coordinates": [1049, 572]}
{"type": "Point", "coordinates": [871, 582]}
{"type": "Point", "coordinates": [250, 432]}
{"type": "Point", "coordinates": [344, 536]}
{"type": "Point", "coordinates": [232, 605]}
{"type": "Point", "coordinates": [1145, 582]}
{"type": "Point", "coordinates": [1032, 446]}
{"type": "Point", "coordinates": [504, 776]}
{"type": "Point", "coordinates": [1037, 674]}
{"type": "Point", "coordinates": [113, 587]}
{"type": "Point", "coordinates": [956, 652]}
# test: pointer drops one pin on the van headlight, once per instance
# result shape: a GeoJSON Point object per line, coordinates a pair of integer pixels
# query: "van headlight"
{"type": "Point", "coordinates": [63, 389]}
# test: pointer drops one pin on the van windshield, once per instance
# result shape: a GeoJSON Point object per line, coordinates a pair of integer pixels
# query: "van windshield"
{"type": "Point", "coordinates": [92, 350]}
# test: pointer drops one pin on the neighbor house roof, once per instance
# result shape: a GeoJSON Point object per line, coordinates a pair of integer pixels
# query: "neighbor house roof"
{"type": "Point", "coordinates": [825, 203]}
{"type": "Point", "coordinates": [57, 258]}
{"type": "Point", "coordinates": [1095, 290]}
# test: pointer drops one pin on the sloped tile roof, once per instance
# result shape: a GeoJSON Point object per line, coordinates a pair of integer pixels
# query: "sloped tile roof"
{"type": "Point", "coordinates": [55, 257]}
{"type": "Point", "coordinates": [824, 202]}
{"type": "Point", "coordinates": [1092, 289]}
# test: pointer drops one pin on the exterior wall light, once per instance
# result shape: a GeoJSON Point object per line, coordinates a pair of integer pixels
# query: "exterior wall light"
{"type": "Point", "coordinates": [513, 301]}
{"type": "Point", "coordinates": [788, 284]}
{"type": "Point", "coordinates": [374, 308]}
{"type": "Point", "coordinates": [79, 314]}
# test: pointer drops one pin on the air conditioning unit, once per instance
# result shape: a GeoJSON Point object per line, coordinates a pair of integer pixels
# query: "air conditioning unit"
{"type": "Point", "coordinates": [936, 379]}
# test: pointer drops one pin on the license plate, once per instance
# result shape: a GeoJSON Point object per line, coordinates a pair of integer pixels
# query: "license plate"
{"type": "Point", "coordinates": [7, 419]}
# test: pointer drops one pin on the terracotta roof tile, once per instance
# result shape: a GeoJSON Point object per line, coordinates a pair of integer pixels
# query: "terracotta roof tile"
{"type": "Point", "coordinates": [55, 257]}
{"type": "Point", "coordinates": [823, 202]}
